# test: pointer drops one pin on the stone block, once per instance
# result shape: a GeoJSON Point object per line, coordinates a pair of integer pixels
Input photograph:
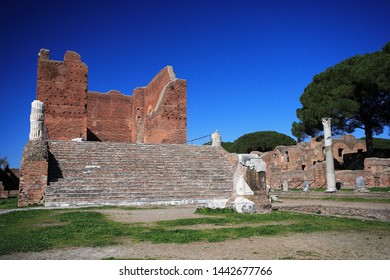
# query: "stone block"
{"type": "Point", "coordinates": [243, 205]}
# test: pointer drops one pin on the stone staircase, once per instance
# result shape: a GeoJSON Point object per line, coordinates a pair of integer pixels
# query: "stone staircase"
{"type": "Point", "coordinates": [110, 173]}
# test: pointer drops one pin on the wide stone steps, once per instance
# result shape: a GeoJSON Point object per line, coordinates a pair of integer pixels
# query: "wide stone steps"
{"type": "Point", "coordinates": [108, 173]}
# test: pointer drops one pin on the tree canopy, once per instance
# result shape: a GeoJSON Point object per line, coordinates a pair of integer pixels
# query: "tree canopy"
{"type": "Point", "coordinates": [3, 162]}
{"type": "Point", "coordinates": [261, 141]}
{"type": "Point", "coordinates": [355, 93]}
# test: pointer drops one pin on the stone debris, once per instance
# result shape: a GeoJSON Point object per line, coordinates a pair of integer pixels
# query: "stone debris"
{"type": "Point", "coordinates": [243, 205]}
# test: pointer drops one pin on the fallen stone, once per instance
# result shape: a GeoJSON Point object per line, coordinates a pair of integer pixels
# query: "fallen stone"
{"type": "Point", "coordinates": [243, 205]}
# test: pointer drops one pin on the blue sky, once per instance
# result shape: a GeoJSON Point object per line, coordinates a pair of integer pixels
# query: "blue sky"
{"type": "Point", "coordinates": [246, 62]}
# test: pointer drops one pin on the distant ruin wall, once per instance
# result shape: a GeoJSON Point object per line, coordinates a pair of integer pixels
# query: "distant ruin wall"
{"type": "Point", "coordinates": [154, 114]}
{"type": "Point", "coordinates": [306, 162]}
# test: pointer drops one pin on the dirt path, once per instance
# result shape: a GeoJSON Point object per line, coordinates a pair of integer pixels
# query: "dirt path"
{"type": "Point", "coordinates": [328, 245]}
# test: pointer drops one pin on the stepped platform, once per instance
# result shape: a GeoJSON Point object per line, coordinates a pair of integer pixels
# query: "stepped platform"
{"type": "Point", "coordinates": [113, 173]}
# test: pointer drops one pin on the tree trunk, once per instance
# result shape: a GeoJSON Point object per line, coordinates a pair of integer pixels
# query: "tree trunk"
{"type": "Point", "coordinates": [369, 142]}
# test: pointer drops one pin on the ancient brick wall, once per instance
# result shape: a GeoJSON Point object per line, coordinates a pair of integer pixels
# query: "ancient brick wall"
{"type": "Point", "coordinates": [160, 108]}
{"type": "Point", "coordinates": [380, 170]}
{"type": "Point", "coordinates": [168, 123]}
{"type": "Point", "coordinates": [33, 173]}
{"type": "Point", "coordinates": [33, 183]}
{"type": "Point", "coordinates": [306, 162]}
{"type": "Point", "coordinates": [347, 178]}
{"type": "Point", "coordinates": [347, 144]}
{"type": "Point", "coordinates": [138, 117]}
{"type": "Point", "coordinates": [62, 87]}
{"type": "Point", "coordinates": [156, 113]}
{"type": "Point", "coordinates": [109, 116]}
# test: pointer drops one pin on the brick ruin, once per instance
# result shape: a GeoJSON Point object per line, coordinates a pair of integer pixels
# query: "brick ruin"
{"type": "Point", "coordinates": [155, 113]}
{"type": "Point", "coordinates": [126, 150]}
{"type": "Point", "coordinates": [305, 161]}
{"type": "Point", "coordinates": [140, 156]}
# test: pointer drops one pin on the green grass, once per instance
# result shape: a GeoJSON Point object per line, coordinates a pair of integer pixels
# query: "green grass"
{"type": "Point", "coordinates": [165, 231]}
{"type": "Point", "coordinates": [37, 230]}
{"type": "Point", "coordinates": [9, 203]}
{"type": "Point", "coordinates": [380, 189]}
{"type": "Point", "coordinates": [358, 199]}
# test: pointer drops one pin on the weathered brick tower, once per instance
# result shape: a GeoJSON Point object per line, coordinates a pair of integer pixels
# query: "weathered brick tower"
{"type": "Point", "coordinates": [62, 87]}
{"type": "Point", "coordinates": [154, 114]}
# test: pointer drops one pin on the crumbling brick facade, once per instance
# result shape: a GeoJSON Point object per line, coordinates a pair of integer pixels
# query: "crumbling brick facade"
{"type": "Point", "coordinates": [34, 173]}
{"type": "Point", "coordinates": [62, 87]}
{"type": "Point", "coordinates": [306, 161]}
{"type": "Point", "coordinates": [156, 113]}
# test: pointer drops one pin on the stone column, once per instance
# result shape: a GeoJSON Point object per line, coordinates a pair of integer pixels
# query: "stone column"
{"type": "Point", "coordinates": [216, 139]}
{"type": "Point", "coordinates": [330, 175]}
{"type": "Point", "coordinates": [36, 120]}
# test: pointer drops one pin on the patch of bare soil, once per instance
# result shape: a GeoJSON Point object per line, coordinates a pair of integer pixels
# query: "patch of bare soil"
{"type": "Point", "coordinates": [322, 245]}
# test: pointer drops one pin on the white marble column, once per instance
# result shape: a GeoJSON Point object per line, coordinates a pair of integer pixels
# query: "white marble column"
{"type": "Point", "coordinates": [330, 175]}
{"type": "Point", "coordinates": [36, 120]}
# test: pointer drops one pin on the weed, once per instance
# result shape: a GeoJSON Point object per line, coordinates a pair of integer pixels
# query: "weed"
{"type": "Point", "coordinates": [9, 203]}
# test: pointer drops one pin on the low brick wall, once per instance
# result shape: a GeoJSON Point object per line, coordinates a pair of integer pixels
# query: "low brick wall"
{"type": "Point", "coordinates": [34, 171]}
{"type": "Point", "coordinates": [33, 183]}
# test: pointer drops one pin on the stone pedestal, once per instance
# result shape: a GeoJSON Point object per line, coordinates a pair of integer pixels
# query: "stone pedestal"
{"type": "Point", "coordinates": [216, 139]}
{"type": "Point", "coordinates": [306, 186]}
{"type": "Point", "coordinates": [361, 185]}
{"type": "Point", "coordinates": [285, 186]}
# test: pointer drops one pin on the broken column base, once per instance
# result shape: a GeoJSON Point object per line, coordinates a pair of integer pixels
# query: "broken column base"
{"type": "Point", "coordinates": [243, 205]}
{"type": "Point", "coordinates": [251, 204]}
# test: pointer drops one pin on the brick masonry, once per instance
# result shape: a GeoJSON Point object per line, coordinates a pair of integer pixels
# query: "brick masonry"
{"type": "Point", "coordinates": [306, 162]}
{"type": "Point", "coordinates": [62, 87]}
{"type": "Point", "coordinates": [155, 113]}
{"type": "Point", "coordinates": [33, 183]}
{"type": "Point", "coordinates": [33, 173]}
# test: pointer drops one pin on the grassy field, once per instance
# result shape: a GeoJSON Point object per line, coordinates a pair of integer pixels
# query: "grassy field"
{"type": "Point", "coordinates": [9, 203]}
{"type": "Point", "coordinates": [38, 230]}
